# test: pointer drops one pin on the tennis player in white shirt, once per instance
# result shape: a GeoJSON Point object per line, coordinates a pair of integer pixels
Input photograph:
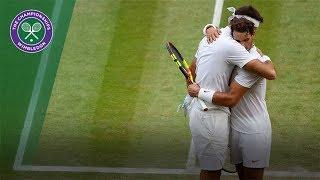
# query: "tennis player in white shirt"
{"type": "Point", "coordinates": [250, 123]}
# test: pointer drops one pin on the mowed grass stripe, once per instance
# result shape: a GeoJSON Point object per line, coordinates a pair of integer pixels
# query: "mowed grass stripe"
{"type": "Point", "coordinates": [67, 125]}
{"type": "Point", "coordinates": [295, 98]}
{"type": "Point", "coordinates": [121, 83]}
{"type": "Point", "coordinates": [159, 136]}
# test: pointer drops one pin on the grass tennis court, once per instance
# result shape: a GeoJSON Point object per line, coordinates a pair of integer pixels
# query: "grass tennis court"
{"type": "Point", "coordinates": [116, 92]}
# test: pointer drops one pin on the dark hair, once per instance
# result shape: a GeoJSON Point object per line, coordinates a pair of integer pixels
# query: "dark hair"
{"type": "Point", "coordinates": [242, 25]}
{"type": "Point", "coordinates": [249, 11]}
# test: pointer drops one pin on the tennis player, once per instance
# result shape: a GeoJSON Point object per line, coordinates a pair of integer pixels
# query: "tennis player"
{"type": "Point", "coordinates": [214, 64]}
{"type": "Point", "coordinates": [250, 123]}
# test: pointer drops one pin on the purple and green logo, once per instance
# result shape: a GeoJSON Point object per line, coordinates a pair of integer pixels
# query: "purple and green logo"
{"type": "Point", "coordinates": [31, 31]}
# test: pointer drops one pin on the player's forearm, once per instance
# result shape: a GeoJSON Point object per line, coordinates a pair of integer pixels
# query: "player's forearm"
{"type": "Point", "coordinates": [225, 99]}
{"type": "Point", "coordinates": [231, 98]}
{"type": "Point", "coordinates": [264, 69]}
{"type": "Point", "coordinates": [228, 99]}
{"type": "Point", "coordinates": [269, 71]}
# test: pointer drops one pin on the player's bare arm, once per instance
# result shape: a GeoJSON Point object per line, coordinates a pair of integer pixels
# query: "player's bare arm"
{"type": "Point", "coordinates": [227, 99]}
{"type": "Point", "coordinates": [264, 69]}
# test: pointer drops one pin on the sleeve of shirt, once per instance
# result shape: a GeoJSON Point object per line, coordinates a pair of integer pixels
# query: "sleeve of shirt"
{"type": "Point", "coordinates": [238, 55]}
{"type": "Point", "coordinates": [246, 79]}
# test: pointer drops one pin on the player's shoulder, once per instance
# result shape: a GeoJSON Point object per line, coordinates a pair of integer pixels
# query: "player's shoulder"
{"type": "Point", "coordinates": [202, 44]}
{"type": "Point", "coordinates": [226, 31]}
{"type": "Point", "coordinates": [224, 41]}
{"type": "Point", "coordinates": [203, 41]}
{"type": "Point", "coordinates": [228, 43]}
{"type": "Point", "coordinates": [227, 39]}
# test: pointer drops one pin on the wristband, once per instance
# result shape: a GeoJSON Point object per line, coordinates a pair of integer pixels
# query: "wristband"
{"type": "Point", "coordinates": [206, 94]}
{"type": "Point", "coordinates": [265, 58]}
{"type": "Point", "coordinates": [206, 27]}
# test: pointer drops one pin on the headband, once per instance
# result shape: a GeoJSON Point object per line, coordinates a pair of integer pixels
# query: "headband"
{"type": "Point", "coordinates": [233, 11]}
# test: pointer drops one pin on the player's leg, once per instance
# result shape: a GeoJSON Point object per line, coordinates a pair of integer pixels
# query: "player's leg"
{"type": "Point", "coordinates": [210, 131]}
{"type": "Point", "coordinates": [236, 152]}
{"type": "Point", "coordinates": [239, 168]}
{"type": "Point", "coordinates": [245, 173]}
{"type": "Point", "coordinates": [210, 175]}
{"type": "Point", "coordinates": [253, 173]}
{"type": "Point", "coordinates": [256, 154]}
{"type": "Point", "coordinates": [192, 157]}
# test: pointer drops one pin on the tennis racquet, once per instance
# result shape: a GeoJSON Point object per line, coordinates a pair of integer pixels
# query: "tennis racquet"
{"type": "Point", "coordinates": [183, 67]}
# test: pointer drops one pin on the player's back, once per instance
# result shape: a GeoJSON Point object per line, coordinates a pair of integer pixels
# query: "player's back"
{"type": "Point", "coordinates": [213, 70]}
{"type": "Point", "coordinates": [216, 61]}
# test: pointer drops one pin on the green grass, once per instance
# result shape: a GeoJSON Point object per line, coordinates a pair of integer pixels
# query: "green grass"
{"type": "Point", "coordinates": [99, 176]}
{"type": "Point", "coordinates": [116, 92]}
{"type": "Point", "coordinates": [115, 98]}
{"type": "Point", "coordinates": [18, 73]}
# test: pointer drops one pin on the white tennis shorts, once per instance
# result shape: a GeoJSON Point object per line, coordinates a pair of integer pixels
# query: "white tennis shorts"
{"type": "Point", "coordinates": [210, 134]}
{"type": "Point", "coordinates": [253, 150]}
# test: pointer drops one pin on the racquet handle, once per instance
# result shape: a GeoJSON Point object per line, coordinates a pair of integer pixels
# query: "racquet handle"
{"type": "Point", "coordinates": [203, 105]}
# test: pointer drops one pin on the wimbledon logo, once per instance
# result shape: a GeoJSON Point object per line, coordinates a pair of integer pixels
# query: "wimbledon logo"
{"type": "Point", "coordinates": [31, 31]}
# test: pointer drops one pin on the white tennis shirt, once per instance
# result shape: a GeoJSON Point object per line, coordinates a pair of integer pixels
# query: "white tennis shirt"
{"type": "Point", "coordinates": [216, 61]}
{"type": "Point", "coordinates": [250, 115]}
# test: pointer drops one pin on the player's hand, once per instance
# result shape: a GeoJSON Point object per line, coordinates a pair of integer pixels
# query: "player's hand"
{"type": "Point", "coordinates": [212, 34]}
{"type": "Point", "coordinates": [193, 90]}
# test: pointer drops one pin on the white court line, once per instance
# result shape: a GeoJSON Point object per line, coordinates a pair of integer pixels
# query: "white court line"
{"type": "Point", "coordinates": [122, 170]}
{"type": "Point", "coordinates": [36, 92]}
{"type": "Point", "coordinates": [217, 12]}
